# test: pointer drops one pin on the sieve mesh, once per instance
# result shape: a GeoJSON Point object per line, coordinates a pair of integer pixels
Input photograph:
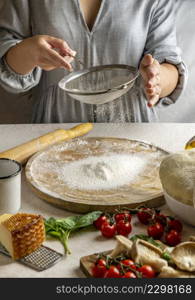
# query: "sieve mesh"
{"type": "Point", "coordinates": [100, 80]}
{"type": "Point", "coordinates": [109, 82]}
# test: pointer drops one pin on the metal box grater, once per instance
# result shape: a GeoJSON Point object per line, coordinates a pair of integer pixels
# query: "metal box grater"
{"type": "Point", "coordinates": [40, 260]}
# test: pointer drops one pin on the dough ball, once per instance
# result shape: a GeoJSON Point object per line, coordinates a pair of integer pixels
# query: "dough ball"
{"type": "Point", "coordinates": [177, 174]}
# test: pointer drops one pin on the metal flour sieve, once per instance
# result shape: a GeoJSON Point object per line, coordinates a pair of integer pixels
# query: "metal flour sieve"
{"type": "Point", "coordinates": [100, 84]}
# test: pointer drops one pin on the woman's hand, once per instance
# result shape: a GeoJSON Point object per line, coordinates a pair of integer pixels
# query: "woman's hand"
{"type": "Point", "coordinates": [150, 70]}
{"type": "Point", "coordinates": [44, 51]}
{"type": "Point", "coordinates": [160, 80]}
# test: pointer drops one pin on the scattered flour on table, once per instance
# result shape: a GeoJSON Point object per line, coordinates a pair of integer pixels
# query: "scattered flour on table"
{"type": "Point", "coordinates": [102, 172]}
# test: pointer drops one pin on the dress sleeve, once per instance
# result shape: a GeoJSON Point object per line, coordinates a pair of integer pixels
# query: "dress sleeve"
{"type": "Point", "coordinates": [15, 25]}
{"type": "Point", "coordinates": [162, 44]}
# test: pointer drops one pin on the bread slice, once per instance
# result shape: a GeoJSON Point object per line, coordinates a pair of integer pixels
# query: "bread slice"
{"type": "Point", "coordinates": [21, 234]}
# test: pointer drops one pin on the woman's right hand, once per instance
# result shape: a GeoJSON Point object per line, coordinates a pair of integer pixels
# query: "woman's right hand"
{"type": "Point", "coordinates": [44, 51]}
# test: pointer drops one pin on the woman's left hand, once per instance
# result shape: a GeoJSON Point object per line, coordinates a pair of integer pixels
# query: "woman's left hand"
{"type": "Point", "coordinates": [150, 71]}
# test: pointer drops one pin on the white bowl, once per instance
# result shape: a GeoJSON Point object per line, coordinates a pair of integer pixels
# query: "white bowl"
{"type": "Point", "coordinates": [185, 212]}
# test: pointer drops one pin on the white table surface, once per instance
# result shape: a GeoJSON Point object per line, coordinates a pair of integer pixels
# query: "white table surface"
{"type": "Point", "coordinates": [171, 137]}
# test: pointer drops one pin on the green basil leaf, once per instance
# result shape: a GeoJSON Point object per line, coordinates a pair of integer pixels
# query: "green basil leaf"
{"type": "Point", "coordinates": [54, 234]}
{"type": "Point", "coordinates": [62, 228]}
{"type": "Point", "coordinates": [166, 256]}
{"type": "Point", "coordinates": [50, 225]}
{"type": "Point", "coordinates": [88, 219]}
{"type": "Point", "coordinates": [68, 223]}
{"type": "Point", "coordinates": [146, 238]}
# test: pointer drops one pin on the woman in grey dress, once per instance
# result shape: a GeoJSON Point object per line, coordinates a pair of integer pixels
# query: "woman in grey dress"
{"type": "Point", "coordinates": [140, 33]}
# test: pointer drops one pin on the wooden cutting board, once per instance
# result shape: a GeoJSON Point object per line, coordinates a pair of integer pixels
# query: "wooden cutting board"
{"type": "Point", "coordinates": [87, 262]}
{"type": "Point", "coordinates": [42, 172]}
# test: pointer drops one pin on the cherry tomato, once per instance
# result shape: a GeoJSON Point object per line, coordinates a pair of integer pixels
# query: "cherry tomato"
{"type": "Point", "coordinates": [129, 263]}
{"type": "Point", "coordinates": [99, 271]}
{"type": "Point", "coordinates": [173, 238]}
{"type": "Point", "coordinates": [112, 272]}
{"type": "Point", "coordinates": [147, 271]}
{"type": "Point", "coordinates": [175, 225]}
{"type": "Point", "coordinates": [129, 275]}
{"type": "Point", "coordinates": [101, 262]}
{"type": "Point", "coordinates": [144, 215]}
{"type": "Point", "coordinates": [123, 227]}
{"type": "Point", "coordinates": [162, 219]}
{"type": "Point", "coordinates": [156, 231]}
{"type": "Point", "coordinates": [100, 221]}
{"type": "Point", "coordinates": [122, 216]}
{"type": "Point", "coordinates": [108, 230]}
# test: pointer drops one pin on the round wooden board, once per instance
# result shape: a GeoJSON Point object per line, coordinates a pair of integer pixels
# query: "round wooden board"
{"type": "Point", "coordinates": [43, 179]}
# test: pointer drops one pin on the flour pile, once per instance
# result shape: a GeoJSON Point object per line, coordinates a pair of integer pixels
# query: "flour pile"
{"type": "Point", "coordinates": [102, 172]}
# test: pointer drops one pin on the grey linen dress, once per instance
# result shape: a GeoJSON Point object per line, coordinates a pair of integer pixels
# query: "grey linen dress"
{"type": "Point", "coordinates": [123, 32]}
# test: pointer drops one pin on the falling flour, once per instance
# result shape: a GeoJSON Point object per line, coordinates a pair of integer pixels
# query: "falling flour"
{"type": "Point", "coordinates": [102, 172]}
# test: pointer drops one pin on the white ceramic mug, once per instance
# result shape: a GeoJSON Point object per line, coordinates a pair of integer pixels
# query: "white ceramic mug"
{"type": "Point", "coordinates": [10, 186]}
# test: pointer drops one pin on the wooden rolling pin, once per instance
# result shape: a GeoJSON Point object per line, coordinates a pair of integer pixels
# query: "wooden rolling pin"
{"type": "Point", "coordinates": [22, 152]}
